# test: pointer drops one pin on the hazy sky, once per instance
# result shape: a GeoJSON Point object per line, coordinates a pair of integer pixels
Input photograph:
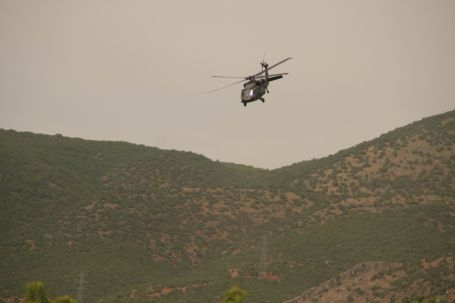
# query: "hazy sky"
{"type": "Point", "coordinates": [138, 71]}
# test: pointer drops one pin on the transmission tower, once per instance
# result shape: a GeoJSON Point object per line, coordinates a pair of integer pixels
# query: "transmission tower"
{"type": "Point", "coordinates": [263, 263]}
{"type": "Point", "coordinates": [81, 288]}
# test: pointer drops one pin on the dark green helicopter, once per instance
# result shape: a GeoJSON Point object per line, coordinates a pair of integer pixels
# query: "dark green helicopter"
{"type": "Point", "coordinates": [256, 85]}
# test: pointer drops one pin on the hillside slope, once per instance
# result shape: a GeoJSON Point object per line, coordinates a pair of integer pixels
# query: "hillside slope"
{"type": "Point", "coordinates": [146, 224]}
{"type": "Point", "coordinates": [411, 165]}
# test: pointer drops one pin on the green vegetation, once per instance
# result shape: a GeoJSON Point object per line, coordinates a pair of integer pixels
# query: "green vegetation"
{"type": "Point", "coordinates": [148, 224]}
{"type": "Point", "coordinates": [34, 293]}
{"type": "Point", "coordinates": [234, 295]}
{"type": "Point", "coordinates": [422, 300]}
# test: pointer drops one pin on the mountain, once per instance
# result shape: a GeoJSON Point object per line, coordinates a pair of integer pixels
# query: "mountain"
{"type": "Point", "coordinates": [371, 223]}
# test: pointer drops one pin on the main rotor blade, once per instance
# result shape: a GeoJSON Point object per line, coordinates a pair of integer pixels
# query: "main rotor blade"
{"type": "Point", "coordinates": [213, 90]}
{"type": "Point", "coordinates": [282, 61]}
{"type": "Point", "coordinates": [270, 67]}
{"type": "Point", "coordinates": [229, 77]}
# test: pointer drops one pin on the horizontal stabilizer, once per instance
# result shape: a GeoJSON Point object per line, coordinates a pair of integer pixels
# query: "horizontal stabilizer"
{"type": "Point", "coordinates": [275, 77]}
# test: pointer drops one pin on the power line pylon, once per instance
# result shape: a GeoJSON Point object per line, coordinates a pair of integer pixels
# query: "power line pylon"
{"type": "Point", "coordinates": [81, 288]}
{"type": "Point", "coordinates": [262, 274]}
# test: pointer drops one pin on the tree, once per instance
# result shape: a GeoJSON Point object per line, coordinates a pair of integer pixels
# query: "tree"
{"type": "Point", "coordinates": [422, 300]}
{"type": "Point", "coordinates": [64, 299]}
{"type": "Point", "coordinates": [34, 293]}
{"type": "Point", "coordinates": [234, 295]}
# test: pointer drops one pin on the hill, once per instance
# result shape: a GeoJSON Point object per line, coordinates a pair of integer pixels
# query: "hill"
{"type": "Point", "coordinates": [145, 224]}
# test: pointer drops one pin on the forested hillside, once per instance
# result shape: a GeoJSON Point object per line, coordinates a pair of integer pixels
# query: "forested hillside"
{"type": "Point", "coordinates": [373, 222]}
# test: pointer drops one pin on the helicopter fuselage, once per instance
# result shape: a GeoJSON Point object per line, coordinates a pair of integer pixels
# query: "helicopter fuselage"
{"type": "Point", "coordinates": [253, 91]}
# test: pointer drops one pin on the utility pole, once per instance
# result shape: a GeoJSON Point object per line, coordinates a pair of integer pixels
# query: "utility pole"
{"type": "Point", "coordinates": [81, 288]}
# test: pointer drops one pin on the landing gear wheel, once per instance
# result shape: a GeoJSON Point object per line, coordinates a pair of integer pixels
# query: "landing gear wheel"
{"type": "Point", "coordinates": [263, 100]}
{"type": "Point", "coordinates": [244, 103]}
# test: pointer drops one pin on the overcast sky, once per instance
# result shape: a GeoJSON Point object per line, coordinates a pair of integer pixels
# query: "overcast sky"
{"type": "Point", "coordinates": [138, 71]}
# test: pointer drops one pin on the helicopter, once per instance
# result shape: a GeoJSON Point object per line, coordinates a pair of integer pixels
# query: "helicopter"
{"type": "Point", "coordinates": [256, 85]}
